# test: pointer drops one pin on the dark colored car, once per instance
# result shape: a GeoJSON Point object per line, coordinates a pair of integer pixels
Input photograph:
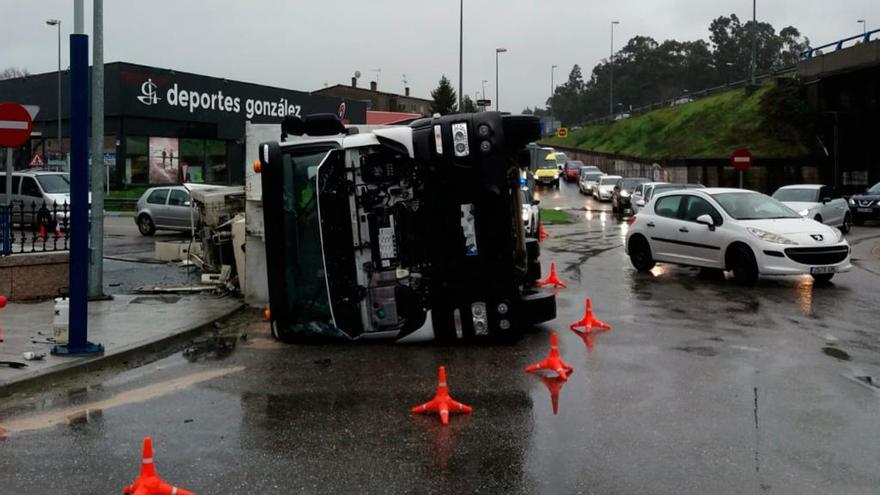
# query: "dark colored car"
{"type": "Point", "coordinates": [621, 196]}
{"type": "Point", "coordinates": [572, 170]}
{"type": "Point", "coordinates": [865, 206]}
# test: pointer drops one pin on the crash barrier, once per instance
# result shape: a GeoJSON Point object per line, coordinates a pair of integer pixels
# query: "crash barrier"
{"type": "Point", "coordinates": [839, 44]}
{"type": "Point", "coordinates": [32, 227]}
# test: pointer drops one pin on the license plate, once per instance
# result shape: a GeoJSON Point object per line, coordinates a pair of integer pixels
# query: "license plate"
{"type": "Point", "coordinates": [863, 210]}
{"type": "Point", "coordinates": [819, 270]}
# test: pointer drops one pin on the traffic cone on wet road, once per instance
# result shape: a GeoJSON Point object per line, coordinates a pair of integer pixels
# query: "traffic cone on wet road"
{"type": "Point", "coordinates": [553, 279]}
{"type": "Point", "coordinates": [442, 403]}
{"type": "Point", "coordinates": [542, 234]}
{"type": "Point", "coordinates": [148, 482]}
{"type": "Point", "coordinates": [554, 385]}
{"type": "Point", "coordinates": [554, 361]}
{"type": "Point", "coordinates": [588, 322]}
{"type": "Point", "coordinates": [2, 305]}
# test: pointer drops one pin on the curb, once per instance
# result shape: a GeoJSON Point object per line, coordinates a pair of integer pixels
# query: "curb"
{"type": "Point", "coordinates": [131, 356]}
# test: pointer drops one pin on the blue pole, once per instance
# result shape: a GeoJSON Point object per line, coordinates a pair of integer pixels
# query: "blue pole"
{"type": "Point", "coordinates": [79, 201]}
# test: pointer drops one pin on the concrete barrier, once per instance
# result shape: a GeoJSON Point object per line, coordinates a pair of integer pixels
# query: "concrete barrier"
{"type": "Point", "coordinates": [36, 276]}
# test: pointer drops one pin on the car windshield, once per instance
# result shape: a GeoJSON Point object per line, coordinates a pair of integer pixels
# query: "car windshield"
{"type": "Point", "coordinates": [875, 189]}
{"type": "Point", "coordinates": [629, 184]}
{"type": "Point", "coordinates": [54, 183]}
{"type": "Point", "coordinates": [592, 176]}
{"type": "Point", "coordinates": [796, 195]}
{"type": "Point", "coordinates": [604, 181]}
{"type": "Point", "coordinates": [548, 164]}
{"type": "Point", "coordinates": [753, 206]}
{"type": "Point", "coordinates": [575, 164]}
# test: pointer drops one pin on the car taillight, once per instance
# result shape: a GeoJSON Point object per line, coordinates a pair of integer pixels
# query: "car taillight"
{"type": "Point", "coordinates": [631, 220]}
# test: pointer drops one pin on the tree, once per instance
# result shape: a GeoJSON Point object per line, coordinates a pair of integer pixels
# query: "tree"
{"type": "Point", "coordinates": [444, 98]}
{"type": "Point", "coordinates": [467, 105]}
{"type": "Point", "coordinates": [528, 111]}
{"type": "Point", "coordinates": [13, 72]}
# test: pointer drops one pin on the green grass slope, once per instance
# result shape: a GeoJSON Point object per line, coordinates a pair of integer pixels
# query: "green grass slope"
{"type": "Point", "coordinates": [711, 127]}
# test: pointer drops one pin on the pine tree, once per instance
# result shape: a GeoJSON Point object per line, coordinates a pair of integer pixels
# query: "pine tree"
{"type": "Point", "coordinates": [468, 105]}
{"type": "Point", "coordinates": [444, 98]}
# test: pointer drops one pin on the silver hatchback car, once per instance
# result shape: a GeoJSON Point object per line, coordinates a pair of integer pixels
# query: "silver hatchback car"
{"type": "Point", "coordinates": [165, 208]}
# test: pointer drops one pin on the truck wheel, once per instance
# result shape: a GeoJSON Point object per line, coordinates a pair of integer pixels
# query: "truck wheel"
{"type": "Point", "coordinates": [536, 307]}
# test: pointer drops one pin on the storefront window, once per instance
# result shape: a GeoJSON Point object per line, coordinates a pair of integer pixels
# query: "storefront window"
{"type": "Point", "coordinates": [137, 160]}
{"type": "Point", "coordinates": [216, 171]}
{"type": "Point", "coordinates": [192, 159]}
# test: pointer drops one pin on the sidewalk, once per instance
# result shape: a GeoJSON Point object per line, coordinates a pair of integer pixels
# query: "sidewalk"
{"type": "Point", "coordinates": [866, 249]}
{"type": "Point", "coordinates": [124, 325]}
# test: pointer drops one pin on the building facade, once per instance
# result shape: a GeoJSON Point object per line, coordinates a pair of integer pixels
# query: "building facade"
{"type": "Point", "coordinates": [164, 126]}
{"type": "Point", "coordinates": [379, 100]}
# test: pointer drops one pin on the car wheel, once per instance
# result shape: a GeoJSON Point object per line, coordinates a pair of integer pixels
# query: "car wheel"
{"type": "Point", "coordinates": [146, 225]}
{"type": "Point", "coordinates": [741, 261]}
{"type": "Point", "coordinates": [858, 221]}
{"type": "Point", "coordinates": [847, 224]}
{"type": "Point", "coordinates": [822, 278]}
{"type": "Point", "coordinates": [640, 254]}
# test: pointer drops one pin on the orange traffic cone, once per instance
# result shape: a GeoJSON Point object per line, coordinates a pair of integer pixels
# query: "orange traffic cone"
{"type": "Point", "coordinates": [554, 385]}
{"type": "Point", "coordinates": [589, 321]}
{"type": "Point", "coordinates": [148, 482]}
{"type": "Point", "coordinates": [2, 305]}
{"type": "Point", "coordinates": [442, 403]}
{"type": "Point", "coordinates": [553, 279]}
{"type": "Point", "coordinates": [554, 361]}
{"type": "Point", "coordinates": [42, 232]}
{"type": "Point", "coordinates": [542, 234]}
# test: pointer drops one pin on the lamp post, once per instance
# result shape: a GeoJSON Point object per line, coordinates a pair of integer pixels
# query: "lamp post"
{"type": "Point", "coordinates": [552, 85]}
{"type": "Point", "coordinates": [57, 22]}
{"type": "Point", "coordinates": [498, 51]}
{"type": "Point", "coordinates": [864, 26]}
{"type": "Point", "coordinates": [460, 55]}
{"type": "Point", "coordinates": [611, 73]}
{"type": "Point", "coordinates": [754, 64]}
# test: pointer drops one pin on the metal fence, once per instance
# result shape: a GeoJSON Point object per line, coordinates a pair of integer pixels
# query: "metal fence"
{"type": "Point", "coordinates": [841, 44]}
{"type": "Point", "coordinates": [34, 227]}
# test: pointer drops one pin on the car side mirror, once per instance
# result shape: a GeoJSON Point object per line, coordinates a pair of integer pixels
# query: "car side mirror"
{"type": "Point", "coordinates": [640, 203]}
{"type": "Point", "coordinates": [706, 220]}
{"type": "Point", "coordinates": [536, 202]}
{"type": "Point", "coordinates": [826, 200]}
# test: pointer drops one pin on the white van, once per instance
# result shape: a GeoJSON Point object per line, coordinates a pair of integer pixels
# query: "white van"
{"type": "Point", "coordinates": [37, 191]}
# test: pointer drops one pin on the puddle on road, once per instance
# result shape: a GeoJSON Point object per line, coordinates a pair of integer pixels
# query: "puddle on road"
{"type": "Point", "coordinates": [155, 300]}
{"type": "Point", "coordinates": [699, 350]}
{"type": "Point", "coordinates": [81, 413]}
{"type": "Point", "coordinates": [836, 353]}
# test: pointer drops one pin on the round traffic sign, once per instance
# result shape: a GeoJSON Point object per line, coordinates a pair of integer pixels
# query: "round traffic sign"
{"type": "Point", "coordinates": [741, 159]}
{"type": "Point", "coordinates": [15, 125]}
{"type": "Point", "coordinates": [562, 132]}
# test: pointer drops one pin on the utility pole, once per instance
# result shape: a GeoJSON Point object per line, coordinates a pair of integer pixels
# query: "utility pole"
{"type": "Point", "coordinates": [97, 172]}
{"type": "Point", "coordinates": [552, 85]}
{"type": "Point", "coordinates": [611, 73]}
{"type": "Point", "coordinates": [864, 24]}
{"type": "Point", "coordinates": [497, 98]}
{"type": "Point", "coordinates": [460, 55]}
{"type": "Point", "coordinates": [754, 41]}
{"type": "Point", "coordinates": [57, 23]}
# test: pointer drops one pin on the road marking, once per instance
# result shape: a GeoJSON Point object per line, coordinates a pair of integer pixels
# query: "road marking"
{"type": "Point", "coordinates": [133, 396]}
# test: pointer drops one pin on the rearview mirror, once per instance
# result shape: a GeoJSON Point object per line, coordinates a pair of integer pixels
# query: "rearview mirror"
{"type": "Point", "coordinates": [706, 220]}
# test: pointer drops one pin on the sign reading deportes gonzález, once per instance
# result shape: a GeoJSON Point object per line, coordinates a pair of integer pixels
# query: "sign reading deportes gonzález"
{"type": "Point", "coordinates": [184, 96]}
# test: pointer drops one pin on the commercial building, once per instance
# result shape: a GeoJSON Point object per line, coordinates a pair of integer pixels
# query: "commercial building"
{"type": "Point", "coordinates": [166, 126]}
{"type": "Point", "coordinates": [379, 101]}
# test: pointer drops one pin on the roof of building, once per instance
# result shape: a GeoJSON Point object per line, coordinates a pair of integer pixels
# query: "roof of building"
{"type": "Point", "coordinates": [368, 90]}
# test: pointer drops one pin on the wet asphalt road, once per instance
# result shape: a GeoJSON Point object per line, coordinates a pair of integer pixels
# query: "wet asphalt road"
{"type": "Point", "coordinates": [700, 387]}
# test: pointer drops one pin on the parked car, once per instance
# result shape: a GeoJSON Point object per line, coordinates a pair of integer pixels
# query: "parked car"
{"type": "Point", "coordinates": [621, 194]}
{"type": "Point", "coordinates": [45, 195]}
{"type": "Point", "coordinates": [571, 170]}
{"type": "Point", "coordinates": [605, 187]}
{"type": "Point", "coordinates": [165, 208]}
{"type": "Point", "coordinates": [531, 214]}
{"type": "Point", "coordinates": [745, 232]}
{"type": "Point", "coordinates": [819, 202]}
{"type": "Point", "coordinates": [588, 180]}
{"type": "Point", "coordinates": [547, 173]}
{"type": "Point", "coordinates": [644, 192]}
{"type": "Point", "coordinates": [865, 206]}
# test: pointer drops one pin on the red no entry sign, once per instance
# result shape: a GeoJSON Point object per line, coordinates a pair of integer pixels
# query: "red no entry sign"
{"type": "Point", "coordinates": [741, 159]}
{"type": "Point", "coordinates": [15, 125]}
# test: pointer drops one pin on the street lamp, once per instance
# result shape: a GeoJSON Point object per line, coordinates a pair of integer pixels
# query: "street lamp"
{"type": "Point", "coordinates": [498, 51]}
{"type": "Point", "coordinates": [57, 22]}
{"type": "Point", "coordinates": [460, 54]}
{"type": "Point", "coordinates": [552, 86]}
{"type": "Point", "coordinates": [611, 72]}
{"type": "Point", "coordinates": [864, 26]}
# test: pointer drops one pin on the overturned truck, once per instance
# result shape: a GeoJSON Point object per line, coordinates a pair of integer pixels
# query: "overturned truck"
{"type": "Point", "coordinates": [385, 231]}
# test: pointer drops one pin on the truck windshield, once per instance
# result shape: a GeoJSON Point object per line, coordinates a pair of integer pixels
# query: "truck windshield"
{"type": "Point", "coordinates": [307, 300]}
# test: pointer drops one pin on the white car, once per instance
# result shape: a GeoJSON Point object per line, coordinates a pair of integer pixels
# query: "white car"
{"type": "Point", "coordinates": [745, 232]}
{"type": "Point", "coordinates": [642, 196]}
{"type": "Point", "coordinates": [605, 187]}
{"type": "Point", "coordinates": [531, 214]}
{"type": "Point", "coordinates": [819, 202]}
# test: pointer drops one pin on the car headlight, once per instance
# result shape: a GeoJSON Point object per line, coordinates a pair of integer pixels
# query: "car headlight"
{"type": "Point", "coordinates": [852, 202]}
{"type": "Point", "coordinates": [804, 212]}
{"type": "Point", "coordinates": [770, 237]}
{"type": "Point", "coordinates": [839, 234]}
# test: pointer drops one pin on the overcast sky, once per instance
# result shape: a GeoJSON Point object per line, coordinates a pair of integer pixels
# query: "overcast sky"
{"type": "Point", "coordinates": [303, 45]}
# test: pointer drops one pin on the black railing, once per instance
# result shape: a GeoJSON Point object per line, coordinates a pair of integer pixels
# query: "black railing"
{"type": "Point", "coordinates": [32, 227]}
{"type": "Point", "coordinates": [840, 44]}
